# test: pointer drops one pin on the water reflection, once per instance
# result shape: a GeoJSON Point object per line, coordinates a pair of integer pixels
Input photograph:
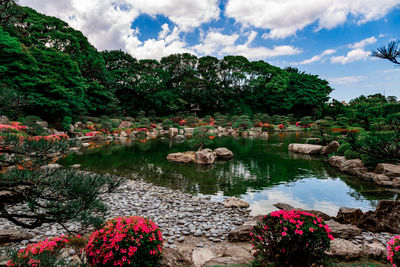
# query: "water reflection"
{"type": "Point", "coordinates": [262, 172]}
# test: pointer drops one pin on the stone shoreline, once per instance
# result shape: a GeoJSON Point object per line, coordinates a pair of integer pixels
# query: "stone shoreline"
{"type": "Point", "coordinates": [178, 214]}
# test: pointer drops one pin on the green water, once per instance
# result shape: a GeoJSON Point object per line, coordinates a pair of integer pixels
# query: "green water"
{"type": "Point", "coordinates": [262, 172]}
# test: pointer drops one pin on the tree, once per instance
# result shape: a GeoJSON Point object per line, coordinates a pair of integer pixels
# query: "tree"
{"type": "Point", "coordinates": [46, 194]}
{"type": "Point", "coordinates": [390, 52]}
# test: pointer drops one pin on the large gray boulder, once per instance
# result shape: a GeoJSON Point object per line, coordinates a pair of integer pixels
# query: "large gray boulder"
{"type": "Point", "coordinates": [223, 153]}
{"type": "Point", "coordinates": [353, 167]}
{"type": "Point", "coordinates": [235, 203]}
{"type": "Point", "coordinates": [205, 156]}
{"type": "Point", "coordinates": [337, 161]}
{"type": "Point", "coordinates": [331, 148]}
{"type": "Point", "coordinates": [186, 157]}
{"type": "Point", "coordinates": [348, 215]}
{"type": "Point", "coordinates": [390, 170]}
{"type": "Point", "coordinates": [345, 231]}
{"type": "Point", "coordinates": [386, 218]}
{"type": "Point", "coordinates": [240, 233]}
{"type": "Point", "coordinates": [305, 149]}
{"type": "Point", "coordinates": [344, 249]}
{"type": "Point", "coordinates": [125, 124]}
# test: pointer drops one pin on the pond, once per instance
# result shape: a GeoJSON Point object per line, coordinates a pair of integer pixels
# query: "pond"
{"type": "Point", "coordinates": [262, 172]}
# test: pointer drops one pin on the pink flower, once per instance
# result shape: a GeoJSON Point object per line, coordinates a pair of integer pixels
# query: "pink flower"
{"type": "Point", "coordinates": [311, 229]}
{"type": "Point", "coordinates": [299, 232]}
{"type": "Point", "coordinates": [284, 233]}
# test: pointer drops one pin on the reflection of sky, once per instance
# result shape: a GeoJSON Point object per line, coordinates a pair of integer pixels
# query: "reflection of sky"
{"type": "Point", "coordinates": [326, 195]}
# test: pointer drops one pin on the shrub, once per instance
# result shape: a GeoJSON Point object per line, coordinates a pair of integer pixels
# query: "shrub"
{"type": "Point", "coordinates": [351, 154]}
{"type": "Point", "coordinates": [343, 148]}
{"type": "Point", "coordinates": [166, 124]}
{"type": "Point", "coordinates": [290, 238]}
{"type": "Point", "coordinates": [126, 241]}
{"type": "Point", "coordinates": [43, 253]}
{"type": "Point", "coordinates": [393, 253]}
{"type": "Point", "coordinates": [266, 127]}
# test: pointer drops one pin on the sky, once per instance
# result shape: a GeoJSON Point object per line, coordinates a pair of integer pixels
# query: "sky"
{"type": "Point", "coordinates": [329, 38]}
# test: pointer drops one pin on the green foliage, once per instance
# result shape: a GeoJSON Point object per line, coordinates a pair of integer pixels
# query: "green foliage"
{"type": "Point", "coordinates": [202, 136]}
{"type": "Point", "coordinates": [343, 148]}
{"type": "Point", "coordinates": [242, 123]}
{"type": "Point", "coordinates": [351, 154]}
{"type": "Point", "coordinates": [166, 124]}
{"type": "Point", "coordinates": [290, 238]}
{"type": "Point", "coordinates": [53, 195]}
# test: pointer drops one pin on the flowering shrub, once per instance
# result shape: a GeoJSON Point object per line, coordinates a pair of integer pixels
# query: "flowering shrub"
{"type": "Point", "coordinates": [43, 253]}
{"type": "Point", "coordinates": [281, 126]}
{"type": "Point", "coordinates": [290, 237]}
{"type": "Point", "coordinates": [393, 254]}
{"type": "Point", "coordinates": [126, 241]}
{"type": "Point", "coordinates": [94, 133]}
{"type": "Point", "coordinates": [298, 124]}
{"type": "Point", "coordinates": [268, 127]}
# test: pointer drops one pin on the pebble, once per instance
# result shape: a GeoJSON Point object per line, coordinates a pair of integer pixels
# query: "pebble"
{"type": "Point", "coordinates": [175, 212]}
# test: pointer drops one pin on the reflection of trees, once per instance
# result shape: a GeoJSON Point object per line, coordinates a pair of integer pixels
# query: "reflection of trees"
{"type": "Point", "coordinates": [257, 164]}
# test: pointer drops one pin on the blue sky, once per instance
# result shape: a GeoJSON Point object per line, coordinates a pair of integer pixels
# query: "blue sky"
{"type": "Point", "coordinates": [330, 38]}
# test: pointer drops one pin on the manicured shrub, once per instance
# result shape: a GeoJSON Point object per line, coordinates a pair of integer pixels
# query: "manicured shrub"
{"type": "Point", "coordinates": [126, 241]}
{"type": "Point", "coordinates": [266, 127]}
{"type": "Point", "coordinates": [290, 238]}
{"type": "Point", "coordinates": [166, 124]}
{"type": "Point", "coordinates": [43, 253]}
{"type": "Point", "coordinates": [343, 148]}
{"type": "Point", "coordinates": [393, 251]}
{"type": "Point", "coordinates": [351, 154]}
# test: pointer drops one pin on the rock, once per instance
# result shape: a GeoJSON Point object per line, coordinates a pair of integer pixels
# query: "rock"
{"type": "Point", "coordinates": [348, 215]}
{"type": "Point", "coordinates": [12, 235]}
{"type": "Point", "coordinates": [180, 138]}
{"type": "Point", "coordinates": [344, 249]}
{"type": "Point", "coordinates": [396, 182]}
{"type": "Point", "coordinates": [390, 170]}
{"type": "Point", "coordinates": [51, 167]}
{"type": "Point", "coordinates": [264, 135]}
{"type": "Point", "coordinates": [44, 124]}
{"type": "Point", "coordinates": [226, 261]}
{"type": "Point", "coordinates": [172, 132]}
{"type": "Point", "coordinates": [305, 149]}
{"type": "Point", "coordinates": [353, 167]}
{"type": "Point", "coordinates": [337, 161]}
{"type": "Point", "coordinates": [345, 231]}
{"type": "Point", "coordinates": [375, 250]}
{"type": "Point", "coordinates": [76, 166]}
{"type": "Point", "coordinates": [283, 206]}
{"type": "Point", "coordinates": [125, 124]}
{"type": "Point", "coordinates": [173, 257]}
{"type": "Point", "coordinates": [198, 233]}
{"type": "Point", "coordinates": [386, 218]}
{"type": "Point", "coordinates": [235, 202]}
{"type": "Point", "coordinates": [79, 125]}
{"type": "Point", "coordinates": [205, 156]}
{"type": "Point", "coordinates": [223, 153]}
{"type": "Point", "coordinates": [186, 157]}
{"type": "Point", "coordinates": [4, 120]}
{"type": "Point", "coordinates": [331, 148]}
{"type": "Point", "coordinates": [240, 252]}
{"type": "Point", "coordinates": [381, 179]}
{"type": "Point", "coordinates": [241, 233]}
{"type": "Point", "coordinates": [202, 255]}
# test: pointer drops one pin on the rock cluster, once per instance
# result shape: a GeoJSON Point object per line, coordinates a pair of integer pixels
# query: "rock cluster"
{"type": "Point", "coordinates": [204, 156]}
{"type": "Point", "coordinates": [384, 174]}
{"type": "Point", "coordinates": [311, 149]}
{"type": "Point", "coordinates": [178, 214]}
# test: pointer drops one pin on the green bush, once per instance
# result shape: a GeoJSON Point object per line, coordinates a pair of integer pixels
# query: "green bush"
{"type": "Point", "coordinates": [166, 124]}
{"type": "Point", "coordinates": [290, 238]}
{"type": "Point", "coordinates": [351, 154]}
{"type": "Point", "coordinates": [343, 148]}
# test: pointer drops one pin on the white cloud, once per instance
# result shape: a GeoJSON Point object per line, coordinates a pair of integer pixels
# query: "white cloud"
{"type": "Point", "coordinates": [222, 44]}
{"type": "Point", "coordinates": [316, 58]}
{"type": "Point", "coordinates": [107, 23]}
{"type": "Point", "coordinates": [284, 18]}
{"type": "Point", "coordinates": [352, 56]}
{"type": "Point", "coordinates": [346, 80]}
{"type": "Point", "coordinates": [363, 43]}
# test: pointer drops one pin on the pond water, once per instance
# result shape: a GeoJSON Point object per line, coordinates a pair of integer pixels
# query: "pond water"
{"type": "Point", "coordinates": [262, 172]}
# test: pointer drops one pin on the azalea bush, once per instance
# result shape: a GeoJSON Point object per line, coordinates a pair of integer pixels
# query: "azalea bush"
{"type": "Point", "coordinates": [43, 253]}
{"type": "Point", "coordinates": [266, 127]}
{"type": "Point", "coordinates": [393, 253]}
{"type": "Point", "coordinates": [126, 241]}
{"type": "Point", "coordinates": [290, 237]}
